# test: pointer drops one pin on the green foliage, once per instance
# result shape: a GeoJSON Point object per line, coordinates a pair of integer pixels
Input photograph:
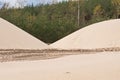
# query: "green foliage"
{"type": "Point", "coordinates": [116, 4]}
{"type": "Point", "coordinates": [51, 22]}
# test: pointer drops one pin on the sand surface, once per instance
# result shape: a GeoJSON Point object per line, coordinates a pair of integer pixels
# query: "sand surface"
{"type": "Point", "coordinates": [100, 66]}
{"type": "Point", "coordinates": [100, 35]}
{"type": "Point", "coordinates": [11, 37]}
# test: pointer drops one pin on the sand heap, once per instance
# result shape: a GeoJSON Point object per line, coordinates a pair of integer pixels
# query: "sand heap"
{"type": "Point", "coordinates": [11, 37]}
{"type": "Point", "coordinates": [100, 35]}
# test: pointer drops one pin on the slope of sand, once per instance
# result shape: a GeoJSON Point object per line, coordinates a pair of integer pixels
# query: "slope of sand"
{"type": "Point", "coordinates": [100, 66]}
{"type": "Point", "coordinates": [11, 37]}
{"type": "Point", "coordinates": [100, 35]}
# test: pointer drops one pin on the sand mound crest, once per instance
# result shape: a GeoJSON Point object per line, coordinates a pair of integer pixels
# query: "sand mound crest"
{"type": "Point", "coordinates": [11, 37]}
{"type": "Point", "coordinates": [100, 35]}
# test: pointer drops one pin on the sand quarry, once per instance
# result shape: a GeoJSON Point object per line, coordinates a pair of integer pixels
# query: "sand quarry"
{"type": "Point", "coordinates": [94, 54]}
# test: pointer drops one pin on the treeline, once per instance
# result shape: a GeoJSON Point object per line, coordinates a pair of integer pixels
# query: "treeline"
{"type": "Point", "coordinates": [51, 22]}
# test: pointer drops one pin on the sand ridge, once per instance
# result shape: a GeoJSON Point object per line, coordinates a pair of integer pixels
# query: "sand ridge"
{"type": "Point", "coordinates": [12, 37]}
{"type": "Point", "coordinates": [99, 35]}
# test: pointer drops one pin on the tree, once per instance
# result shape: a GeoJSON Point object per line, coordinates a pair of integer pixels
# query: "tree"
{"type": "Point", "coordinates": [20, 3]}
{"type": "Point", "coordinates": [98, 11]}
{"type": "Point", "coordinates": [54, 1]}
{"type": "Point", "coordinates": [50, 22]}
{"type": "Point", "coordinates": [5, 5]}
{"type": "Point", "coordinates": [116, 4]}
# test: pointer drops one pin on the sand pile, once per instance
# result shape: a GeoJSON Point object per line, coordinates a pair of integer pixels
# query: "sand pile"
{"type": "Point", "coordinates": [100, 35]}
{"type": "Point", "coordinates": [11, 37]}
{"type": "Point", "coordinates": [105, 66]}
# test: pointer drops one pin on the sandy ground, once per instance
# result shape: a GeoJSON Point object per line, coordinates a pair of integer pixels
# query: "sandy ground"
{"type": "Point", "coordinates": [99, 66]}
{"type": "Point", "coordinates": [99, 35]}
{"type": "Point", "coordinates": [12, 37]}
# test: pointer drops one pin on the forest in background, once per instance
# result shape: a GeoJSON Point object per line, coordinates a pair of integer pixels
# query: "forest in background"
{"type": "Point", "coordinates": [51, 22]}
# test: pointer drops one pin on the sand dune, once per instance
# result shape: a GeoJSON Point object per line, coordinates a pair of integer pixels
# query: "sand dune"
{"type": "Point", "coordinates": [100, 66]}
{"type": "Point", "coordinates": [11, 37]}
{"type": "Point", "coordinates": [100, 35]}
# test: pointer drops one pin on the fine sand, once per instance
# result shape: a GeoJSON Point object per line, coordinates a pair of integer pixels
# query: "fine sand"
{"type": "Point", "coordinates": [99, 66]}
{"type": "Point", "coordinates": [11, 37]}
{"type": "Point", "coordinates": [16, 45]}
{"type": "Point", "coordinates": [100, 35]}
